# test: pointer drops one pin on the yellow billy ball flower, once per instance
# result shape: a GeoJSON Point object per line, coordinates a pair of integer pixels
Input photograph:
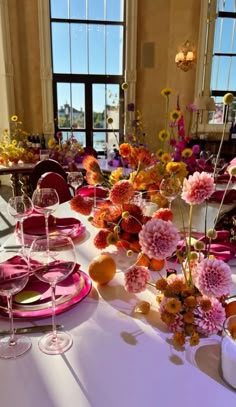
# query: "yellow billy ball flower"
{"type": "Point", "coordinates": [125, 214]}
{"type": "Point", "coordinates": [199, 245]}
{"type": "Point", "coordinates": [212, 234]}
{"type": "Point", "coordinates": [14, 118]}
{"type": "Point", "coordinates": [129, 253]}
{"type": "Point", "coordinates": [109, 120]}
{"type": "Point", "coordinates": [228, 98]}
{"type": "Point", "coordinates": [124, 86]}
{"type": "Point", "coordinates": [117, 229]}
{"type": "Point", "coordinates": [232, 170]}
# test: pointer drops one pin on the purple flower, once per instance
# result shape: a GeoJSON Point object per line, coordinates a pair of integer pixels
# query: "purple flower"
{"type": "Point", "coordinates": [195, 149]}
{"type": "Point", "coordinates": [131, 107]}
{"type": "Point", "coordinates": [210, 322]}
{"type": "Point", "coordinates": [158, 238]}
{"type": "Point", "coordinates": [136, 278]}
{"type": "Point", "coordinates": [213, 277]}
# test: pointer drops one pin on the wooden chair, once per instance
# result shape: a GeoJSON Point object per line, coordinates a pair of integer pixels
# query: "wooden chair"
{"type": "Point", "coordinates": [56, 181]}
{"type": "Point", "coordinates": [45, 166]}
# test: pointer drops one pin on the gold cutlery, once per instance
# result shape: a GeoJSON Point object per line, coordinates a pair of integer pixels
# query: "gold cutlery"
{"type": "Point", "coordinates": [30, 329]}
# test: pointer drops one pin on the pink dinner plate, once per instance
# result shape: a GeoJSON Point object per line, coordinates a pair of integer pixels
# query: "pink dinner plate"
{"type": "Point", "coordinates": [35, 300]}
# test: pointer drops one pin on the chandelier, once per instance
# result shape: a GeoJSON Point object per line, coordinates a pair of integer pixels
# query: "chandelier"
{"type": "Point", "coordinates": [186, 57]}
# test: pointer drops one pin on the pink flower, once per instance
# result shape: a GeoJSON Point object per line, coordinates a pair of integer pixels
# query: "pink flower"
{"type": "Point", "coordinates": [213, 277]}
{"type": "Point", "coordinates": [197, 188]}
{"type": "Point", "coordinates": [210, 322]}
{"type": "Point", "coordinates": [136, 278]}
{"type": "Point", "coordinates": [158, 238]}
{"type": "Point", "coordinates": [121, 192]}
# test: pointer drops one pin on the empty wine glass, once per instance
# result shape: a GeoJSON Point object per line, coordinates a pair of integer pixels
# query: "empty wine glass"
{"type": "Point", "coordinates": [75, 179]}
{"type": "Point", "coordinates": [20, 207]}
{"type": "Point", "coordinates": [13, 278]}
{"type": "Point", "coordinates": [46, 201]}
{"type": "Point", "coordinates": [170, 188]}
{"type": "Point", "coordinates": [219, 165]}
{"type": "Point", "coordinates": [53, 266]}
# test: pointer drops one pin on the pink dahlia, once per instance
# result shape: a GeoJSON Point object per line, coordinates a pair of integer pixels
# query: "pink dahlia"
{"type": "Point", "coordinates": [136, 278]}
{"type": "Point", "coordinates": [197, 188]}
{"type": "Point", "coordinates": [158, 238]}
{"type": "Point", "coordinates": [213, 277]}
{"type": "Point", "coordinates": [121, 192]}
{"type": "Point", "coordinates": [210, 322]}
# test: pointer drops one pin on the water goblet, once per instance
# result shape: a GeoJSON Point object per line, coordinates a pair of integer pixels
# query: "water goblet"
{"type": "Point", "coordinates": [53, 266]}
{"type": "Point", "coordinates": [20, 207]}
{"type": "Point", "coordinates": [170, 188]}
{"type": "Point", "coordinates": [13, 278]}
{"type": "Point", "coordinates": [46, 201]}
{"type": "Point", "coordinates": [75, 179]}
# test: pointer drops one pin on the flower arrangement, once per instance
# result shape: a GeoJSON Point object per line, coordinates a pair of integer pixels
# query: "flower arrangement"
{"type": "Point", "coordinates": [13, 147]}
{"type": "Point", "coordinates": [191, 300]}
{"type": "Point", "coordinates": [65, 152]}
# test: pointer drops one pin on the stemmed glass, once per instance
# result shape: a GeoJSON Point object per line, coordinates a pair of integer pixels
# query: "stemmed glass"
{"type": "Point", "coordinates": [20, 207]}
{"type": "Point", "coordinates": [219, 165]}
{"type": "Point", "coordinates": [170, 188]}
{"type": "Point", "coordinates": [53, 266]}
{"type": "Point", "coordinates": [13, 278]}
{"type": "Point", "coordinates": [46, 201]}
{"type": "Point", "coordinates": [75, 179]}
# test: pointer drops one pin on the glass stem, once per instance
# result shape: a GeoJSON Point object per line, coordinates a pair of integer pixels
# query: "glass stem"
{"type": "Point", "coordinates": [12, 340]}
{"type": "Point", "coordinates": [22, 237]}
{"type": "Point", "coordinates": [53, 293]}
{"type": "Point", "coordinates": [46, 228]}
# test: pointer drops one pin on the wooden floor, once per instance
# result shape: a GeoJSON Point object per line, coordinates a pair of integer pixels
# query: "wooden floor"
{"type": "Point", "coordinates": [7, 223]}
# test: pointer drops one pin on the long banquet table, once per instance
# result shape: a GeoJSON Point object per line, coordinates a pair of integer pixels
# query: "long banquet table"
{"type": "Point", "coordinates": [118, 358]}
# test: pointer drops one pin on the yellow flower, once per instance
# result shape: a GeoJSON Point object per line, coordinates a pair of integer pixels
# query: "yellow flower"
{"type": "Point", "coordinates": [232, 170]}
{"type": "Point", "coordinates": [166, 92]}
{"type": "Point", "coordinates": [175, 115]}
{"type": "Point", "coordinates": [109, 120]}
{"type": "Point", "coordinates": [187, 152]}
{"type": "Point", "coordinates": [164, 135]}
{"type": "Point", "coordinates": [173, 305]}
{"type": "Point", "coordinates": [173, 167]}
{"type": "Point", "coordinates": [228, 98]}
{"type": "Point", "coordinates": [166, 157]}
{"type": "Point", "coordinates": [159, 153]}
{"type": "Point", "coordinates": [14, 118]}
{"type": "Point", "coordinates": [124, 86]}
{"type": "Point", "coordinates": [51, 143]}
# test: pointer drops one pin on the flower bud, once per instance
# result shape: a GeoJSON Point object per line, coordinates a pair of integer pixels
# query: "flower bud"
{"type": "Point", "coordinates": [212, 234]}
{"type": "Point", "coordinates": [228, 98]}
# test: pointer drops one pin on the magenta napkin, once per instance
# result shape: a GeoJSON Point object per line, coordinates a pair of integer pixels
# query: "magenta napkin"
{"type": "Point", "coordinates": [230, 196]}
{"type": "Point", "coordinates": [88, 191]}
{"type": "Point", "coordinates": [35, 224]}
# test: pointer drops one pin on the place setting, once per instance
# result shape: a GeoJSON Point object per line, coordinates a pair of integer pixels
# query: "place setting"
{"type": "Point", "coordinates": [40, 277]}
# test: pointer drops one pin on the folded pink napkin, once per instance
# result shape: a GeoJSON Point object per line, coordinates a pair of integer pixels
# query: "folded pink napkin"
{"type": "Point", "coordinates": [224, 178]}
{"type": "Point", "coordinates": [88, 191]}
{"type": "Point", "coordinates": [230, 196]}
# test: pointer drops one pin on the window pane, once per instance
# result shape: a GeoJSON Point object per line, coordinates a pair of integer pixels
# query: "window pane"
{"type": "Point", "coordinates": [60, 41]}
{"type": "Point", "coordinates": [225, 35]}
{"type": "Point", "coordinates": [80, 137]}
{"type": "Point", "coordinates": [96, 10]}
{"type": "Point", "coordinates": [112, 106]}
{"type": "Point", "coordinates": [232, 81]}
{"type": "Point", "coordinates": [115, 10]}
{"type": "Point", "coordinates": [220, 73]}
{"type": "Point", "coordinates": [114, 42]}
{"type": "Point", "coordinates": [78, 105]}
{"type": "Point", "coordinates": [99, 103]}
{"type": "Point", "coordinates": [79, 55]}
{"type": "Point", "coordinates": [226, 5]}
{"type": "Point", "coordinates": [96, 49]}
{"type": "Point", "coordinates": [78, 9]}
{"type": "Point", "coordinates": [59, 8]}
{"type": "Point", "coordinates": [99, 142]}
{"type": "Point", "coordinates": [63, 105]}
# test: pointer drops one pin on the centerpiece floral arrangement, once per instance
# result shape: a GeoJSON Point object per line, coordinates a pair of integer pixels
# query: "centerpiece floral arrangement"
{"type": "Point", "coordinates": [13, 145]}
{"type": "Point", "coordinates": [191, 302]}
{"type": "Point", "coordinates": [67, 151]}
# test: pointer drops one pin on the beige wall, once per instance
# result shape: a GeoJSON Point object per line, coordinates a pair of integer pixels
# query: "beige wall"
{"type": "Point", "coordinates": [165, 23]}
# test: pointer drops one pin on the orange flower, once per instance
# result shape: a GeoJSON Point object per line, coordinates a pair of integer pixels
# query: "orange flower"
{"type": "Point", "coordinates": [173, 305]}
{"type": "Point", "coordinates": [194, 339]}
{"type": "Point", "coordinates": [125, 150]}
{"type": "Point", "coordinates": [179, 339]}
{"type": "Point", "coordinates": [90, 163]}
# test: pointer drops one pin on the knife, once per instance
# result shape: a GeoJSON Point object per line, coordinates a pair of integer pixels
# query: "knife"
{"type": "Point", "coordinates": [30, 329]}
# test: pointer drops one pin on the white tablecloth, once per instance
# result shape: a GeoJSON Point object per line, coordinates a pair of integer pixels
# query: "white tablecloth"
{"type": "Point", "coordinates": [117, 358]}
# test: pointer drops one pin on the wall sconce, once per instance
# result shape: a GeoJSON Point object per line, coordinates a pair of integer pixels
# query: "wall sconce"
{"type": "Point", "coordinates": [186, 57]}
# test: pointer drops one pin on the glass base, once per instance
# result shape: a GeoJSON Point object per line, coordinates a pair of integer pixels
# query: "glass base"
{"type": "Point", "coordinates": [10, 351]}
{"type": "Point", "coordinates": [55, 344]}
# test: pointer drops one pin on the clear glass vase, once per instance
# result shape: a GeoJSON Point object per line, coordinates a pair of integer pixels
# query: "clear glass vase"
{"type": "Point", "coordinates": [228, 351]}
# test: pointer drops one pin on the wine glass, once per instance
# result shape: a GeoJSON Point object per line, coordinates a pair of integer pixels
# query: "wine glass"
{"type": "Point", "coordinates": [20, 207]}
{"type": "Point", "coordinates": [46, 201]}
{"type": "Point", "coordinates": [13, 278]}
{"type": "Point", "coordinates": [170, 188]}
{"type": "Point", "coordinates": [219, 164]}
{"type": "Point", "coordinates": [75, 179]}
{"type": "Point", "coordinates": [53, 266]}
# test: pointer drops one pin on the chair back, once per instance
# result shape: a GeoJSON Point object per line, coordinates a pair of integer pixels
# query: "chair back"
{"type": "Point", "coordinates": [45, 166]}
{"type": "Point", "coordinates": [56, 181]}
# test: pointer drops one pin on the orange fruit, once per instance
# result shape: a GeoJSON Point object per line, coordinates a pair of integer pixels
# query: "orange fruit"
{"type": "Point", "coordinates": [230, 308]}
{"type": "Point", "coordinates": [142, 260]}
{"type": "Point", "coordinates": [157, 265]}
{"type": "Point", "coordinates": [102, 269]}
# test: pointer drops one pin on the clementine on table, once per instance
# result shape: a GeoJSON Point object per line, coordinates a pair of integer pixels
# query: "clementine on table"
{"type": "Point", "coordinates": [102, 269]}
{"type": "Point", "coordinates": [156, 264]}
{"type": "Point", "coordinates": [230, 308]}
{"type": "Point", "coordinates": [143, 260]}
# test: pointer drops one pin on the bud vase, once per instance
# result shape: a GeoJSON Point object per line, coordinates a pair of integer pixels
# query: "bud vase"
{"type": "Point", "coordinates": [228, 351]}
